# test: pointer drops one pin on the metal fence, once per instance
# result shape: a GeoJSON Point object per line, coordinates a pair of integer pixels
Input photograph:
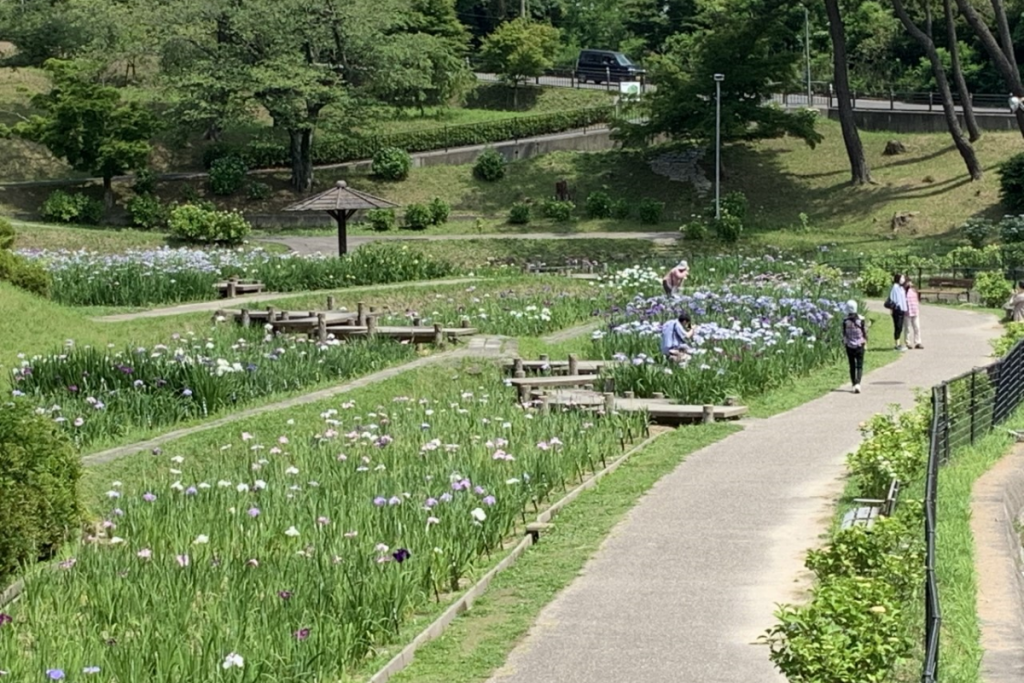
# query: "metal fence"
{"type": "Point", "coordinates": [964, 409]}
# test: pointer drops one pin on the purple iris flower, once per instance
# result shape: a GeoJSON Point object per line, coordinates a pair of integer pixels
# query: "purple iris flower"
{"type": "Point", "coordinates": [401, 555]}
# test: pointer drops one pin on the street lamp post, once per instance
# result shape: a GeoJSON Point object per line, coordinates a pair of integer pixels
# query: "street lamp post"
{"type": "Point", "coordinates": [718, 145]}
{"type": "Point", "coordinates": [807, 55]}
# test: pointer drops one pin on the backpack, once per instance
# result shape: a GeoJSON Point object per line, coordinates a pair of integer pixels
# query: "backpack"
{"type": "Point", "coordinates": [858, 335]}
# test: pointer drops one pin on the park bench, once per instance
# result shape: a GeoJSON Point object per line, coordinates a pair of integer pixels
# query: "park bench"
{"type": "Point", "coordinates": [233, 287]}
{"type": "Point", "coordinates": [951, 289]}
{"type": "Point", "coordinates": [871, 509]}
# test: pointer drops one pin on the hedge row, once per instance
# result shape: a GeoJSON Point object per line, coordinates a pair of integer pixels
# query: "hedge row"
{"type": "Point", "coordinates": [336, 149]}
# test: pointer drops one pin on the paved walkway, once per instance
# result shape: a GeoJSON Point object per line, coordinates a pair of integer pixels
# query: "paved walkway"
{"type": "Point", "coordinates": [328, 244]}
{"type": "Point", "coordinates": [683, 587]}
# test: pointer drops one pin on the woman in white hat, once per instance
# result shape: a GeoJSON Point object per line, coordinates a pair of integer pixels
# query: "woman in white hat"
{"type": "Point", "coordinates": [855, 338]}
{"type": "Point", "coordinates": [675, 278]}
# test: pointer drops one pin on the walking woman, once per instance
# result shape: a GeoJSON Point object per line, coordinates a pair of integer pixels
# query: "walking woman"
{"type": "Point", "coordinates": [897, 305]}
{"type": "Point", "coordinates": [912, 324]}
{"type": "Point", "coordinates": [855, 338]}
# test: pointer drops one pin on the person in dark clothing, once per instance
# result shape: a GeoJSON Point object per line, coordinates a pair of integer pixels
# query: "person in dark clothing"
{"type": "Point", "coordinates": [855, 338]}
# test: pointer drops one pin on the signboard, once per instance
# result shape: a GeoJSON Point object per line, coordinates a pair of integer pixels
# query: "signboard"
{"type": "Point", "coordinates": [629, 88]}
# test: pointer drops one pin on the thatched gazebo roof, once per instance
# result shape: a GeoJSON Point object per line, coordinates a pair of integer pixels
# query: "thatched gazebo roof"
{"type": "Point", "coordinates": [341, 202]}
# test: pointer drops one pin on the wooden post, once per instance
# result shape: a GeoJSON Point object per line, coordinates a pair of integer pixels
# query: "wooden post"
{"type": "Point", "coordinates": [464, 323]}
{"type": "Point", "coordinates": [524, 393]}
{"type": "Point", "coordinates": [438, 334]}
{"type": "Point", "coordinates": [629, 394]}
{"type": "Point", "coordinates": [544, 357]}
{"type": "Point", "coordinates": [285, 315]}
{"type": "Point", "coordinates": [330, 303]}
{"type": "Point", "coordinates": [321, 327]}
{"type": "Point", "coordinates": [361, 314]}
{"type": "Point", "coordinates": [371, 325]}
{"type": "Point", "coordinates": [311, 314]}
{"type": "Point", "coordinates": [416, 322]}
{"type": "Point", "coordinates": [609, 385]}
{"type": "Point", "coordinates": [658, 394]}
{"type": "Point", "coordinates": [574, 364]}
{"type": "Point", "coordinates": [517, 368]}
{"type": "Point", "coordinates": [545, 404]}
{"type": "Point", "coordinates": [609, 402]}
{"type": "Point", "coordinates": [245, 317]}
{"type": "Point", "coordinates": [271, 314]}
{"type": "Point", "coordinates": [373, 309]}
{"type": "Point", "coordinates": [709, 414]}
{"type": "Point", "coordinates": [232, 287]}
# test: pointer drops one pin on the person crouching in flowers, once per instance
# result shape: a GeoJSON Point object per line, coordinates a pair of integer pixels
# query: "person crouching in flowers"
{"type": "Point", "coordinates": [674, 335]}
{"type": "Point", "coordinates": [675, 278]}
{"type": "Point", "coordinates": [855, 338]}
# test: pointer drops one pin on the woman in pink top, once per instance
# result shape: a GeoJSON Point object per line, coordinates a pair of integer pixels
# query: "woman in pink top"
{"type": "Point", "coordinates": [674, 279]}
{"type": "Point", "coordinates": [912, 330]}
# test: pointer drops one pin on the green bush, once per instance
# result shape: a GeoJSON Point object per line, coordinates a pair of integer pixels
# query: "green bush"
{"type": "Point", "coordinates": [39, 471]}
{"type": "Point", "coordinates": [1011, 229]}
{"type": "Point", "coordinates": [227, 175]}
{"type": "Point", "coordinates": [650, 211]}
{"type": "Point", "coordinates": [65, 207]}
{"type": "Point", "coordinates": [734, 203]}
{"type": "Point", "coordinates": [200, 224]}
{"type": "Point", "coordinates": [145, 181]}
{"type": "Point", "coordinates": [418, 216]}
{"type": "Point", "coordinates": [7, 234]}
{"type": "Point", "coordinates": [728, 227]}
{"type": "Point", "coordinates": [381, 220]}
{"type": "Point", "coordinates": [993, 289]}
{"type": "Point", "coordinates": [220, 150]}
{"type": "Point", "coordinates": [599, 205]}
{"type": "Point", "coordinates": [1012, 333]}
{"type": "Point", "coordinates": [256, 191]}
{"type": "Point", "coordinates": [696, 229]}
{"type": "Point", "coordinates": [1011, 182]}
{"type": "Point", "coordinates": [391, 163]}
{"type": "Point", "coordinates": [147, 212]}
{"type": "Point", "coordinates": [968, 260]}
{"type": "Point", "coordinates": [439, 211]}
{"type": "Point", "coordinates": [560, 211]}
{"type": "Point", "coordinates": [621, 209]}
{"type": "Point", "coordinates": [894, 447]}
{"type": "Point", "coordinates": [874, 281]}
{"type": "Point", "coordinates": [489, 166]}
{"type": "Point", "coordinates": [976, 231]}
{"type": "Point", "coordinates": [519, 214]}
{"type": "Point", "coordinates": [24, 274]}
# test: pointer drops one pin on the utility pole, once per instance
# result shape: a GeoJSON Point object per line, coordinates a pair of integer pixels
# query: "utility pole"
{"type": "Point", "coordinates": [718, 145]}
{"type": "Point", "coordinates": [522, 8]}
{"type": "Point", "coordinates": [807, 54]}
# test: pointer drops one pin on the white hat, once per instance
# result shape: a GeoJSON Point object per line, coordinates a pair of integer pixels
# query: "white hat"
{"type": "Point", "coordinates": [851, 306]}
{"type": "Point", "coordinates": [684, 265]}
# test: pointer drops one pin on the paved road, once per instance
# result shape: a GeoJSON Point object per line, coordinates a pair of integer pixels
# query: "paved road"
{"type": "Point", "coordinates": [329, 244]}
{"type": "Point", "coordinates": [683, 587]}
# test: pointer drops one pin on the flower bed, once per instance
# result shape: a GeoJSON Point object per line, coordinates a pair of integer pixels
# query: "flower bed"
{"type": "Point", "coordinates": [160, 276]}
{"type": "Point", "coordinates": [98, 393]}
{"type": "Point", "coordinates": [746, 340]}
{"type": "Point", "coordinates": [289, 551]}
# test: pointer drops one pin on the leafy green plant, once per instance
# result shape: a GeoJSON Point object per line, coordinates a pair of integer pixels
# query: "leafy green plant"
{"type": "Point", "coordinates": [7, 234]}
{"type": "Point", "coordinates": [439, 211]}
{"type": "Point", "coordinates": [621, 209]}
{"type": "Point", "coordinates": [147, 212]}
{"type": "Point", "coordinates": [650, 211]}
{"type": "Point", "coordinates": [599, 205]}
{"type": "Point", "coordinates": [559, 211]}
{"type": "Point", "coordinates": [976, 231]}
{"type": "Point", "coordinates": [873, 280]}
{"type": "Point", "coordinates": [39, 473]}
{"type": "Point", "coordinates": [256, 191]}
{"type": "Point", "coordinates": [696, 229]}
{"type": "Point", "coordinates": [735, 203]}
{"type": "Point", "coordinates": [519, 214]}
{"type": "Point", "coordinates": [894, 447]}
{"type": "Point", "coordinates": [391, 163]}
{"type": "Point", "coordinates": [66, 207]}
{"type": "Point", "coordinates": [968, 260]}
{"type": "Point", "coordinates": [418, 216]}
{"type": "Point", "coordinates": [728, 227]}
{"type": "Point", "coordinates": [220, 150]}
{"type": "Point", "coordinates": [489, 166]}
{"type": "Point", "coordinates": [1011, 182]}
{"type": "Point", "coordinates": [381, 220]}
{"type": "Point", "coordinates": [199, 224]}
{"type": "Point", "coordinates": [227, 175]}
{"type": "Point", "coordinates": [1011, 229]}
{"type": "Point", "coordinates": [1012, 333]}
{"type": "Point", "coordinates": [23, 273]}
{"type": "Point", "coordinates": [993, 288]}
{"type": "Point", "coordinates": [144, 181]}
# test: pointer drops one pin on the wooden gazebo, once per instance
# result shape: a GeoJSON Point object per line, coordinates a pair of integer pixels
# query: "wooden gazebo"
{"type": "Point", "coordinates": [341, 202]}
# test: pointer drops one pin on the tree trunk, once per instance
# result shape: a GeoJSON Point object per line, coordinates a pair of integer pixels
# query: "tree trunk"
{"type": "Point", "coordinates": [859, 171]}
{"type": "Point", "coordinates": [973, 132]}
{"type": "Point", "coordinates": [962, 145]}
{"type": "Point", "coordinates": [1007, 68]}
{"type": "Point", "coordinates": [108, 192]}
{"type": "Point", "coordinates": [302, 159]}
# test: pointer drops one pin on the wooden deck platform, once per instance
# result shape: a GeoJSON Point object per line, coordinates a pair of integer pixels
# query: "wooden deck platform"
{"type": "Point", "coordinates": [555, 381]}
{"type": "Point", "coordinates": [659, 410]}
{"type": "Point", "coordinates": [417, 335]}
{"type": "Point", "coordinates": [233, 287]}
{"type": "Point", "coordinates": [561, 367]}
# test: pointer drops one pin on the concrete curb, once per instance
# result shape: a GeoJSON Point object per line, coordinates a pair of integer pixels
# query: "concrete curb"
{"type": "Point", "coordinates": [437, 628]}
{"type": "Point", "coordinates": [997, 501]}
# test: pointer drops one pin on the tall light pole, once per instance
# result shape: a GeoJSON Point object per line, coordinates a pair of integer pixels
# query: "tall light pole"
{"type": "Point", "coordinates": [807, 54]}
{"type": "Point", "coordinates": [718, 145]}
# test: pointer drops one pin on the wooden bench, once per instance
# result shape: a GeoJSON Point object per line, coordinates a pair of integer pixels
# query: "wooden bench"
{"type": "Point", "coordinates": [952, 282]}
{"type": "Point", "coordinates": [233, 287]}
{"type": "Point", "coordinates": [865, 515]}
{"type": "Point", "coordinates": [947, 289]}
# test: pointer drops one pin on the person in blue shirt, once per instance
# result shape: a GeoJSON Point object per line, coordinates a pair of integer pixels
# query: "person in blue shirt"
{"type": "Point", "coordinates": [897, 305]}
{"type": "Point", "coordinates": [674, 336]}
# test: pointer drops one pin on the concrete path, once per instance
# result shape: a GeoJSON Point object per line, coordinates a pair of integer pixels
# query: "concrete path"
{"type": "Point", "coordinates": [683, 587]}
{"type": "Point", "coordinates": [328, 244]}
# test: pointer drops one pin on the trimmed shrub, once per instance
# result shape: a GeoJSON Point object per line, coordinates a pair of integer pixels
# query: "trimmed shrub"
{"type": "Point", "coordinates": [1011, 182]}
{"type": "Point", "coordinates": [227, 175]}
{"type": "Point", "coordinates": [201, 224]}
{"type": "Point", "coordinates": [381, 220]}
{"type": "Point", "coordinates": [39, 471]}
{"type": "Point", "coordinates": [439, 211]}
{"type": "Point", "coordinates": [993, 289]}
{"type": "Point", "coordinates": [696, 229]}
{"type": "Point", "coordinates": [145, 181]}
{"type": "Point", "coordinates": [7, 234]}
{"type": "Point", "coordinates": [220, 150]}
{"type": "Point", "coordinates": [24, 274]}
{"type": "Point", "coordinates": [418, 217]}
{"type": "Point", "coordinates": [392, 163]}
{"type": "Point", "coordinates": [621, 209]}
{"type": "Point", "coordinates": [147, 212]}
{"type": "Point", "coordinates": [65, 207]}
{"type": "Point", "coordinates": [519, 214]}
{"type": "Point", "coordinates": [257, 191]}
{"type": "Point", "coordinates": [734, 203]}
{"type": "Point", "coordinates": [650, 211]}
{"type": "Point", "coordinates": [558, 210]}
{"type": "Point", "coordinates": [976, 230]}
{"type": "Point", "coordinates": [874, 281]}
{"type": "Point", "coordinates": [728, 227]}
{"type": "Point", "coordinates": [1011, 229]}
{"type": "Point", "coordinates": [599, 205]}
{"type": "Point", "coordinates": [490, 166]}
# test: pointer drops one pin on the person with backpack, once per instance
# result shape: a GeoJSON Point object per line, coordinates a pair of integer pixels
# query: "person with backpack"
{"type": "Point", "coordinates": [897, 305]}
{"type": "Point", "coordinates": [855, 339]}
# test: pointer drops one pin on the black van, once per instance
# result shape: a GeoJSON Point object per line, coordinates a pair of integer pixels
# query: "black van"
{"type": "Point", "coordinates": [604, 65]}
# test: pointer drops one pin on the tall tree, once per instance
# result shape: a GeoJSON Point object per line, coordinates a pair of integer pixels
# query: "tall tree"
{"type": "Point", "coordinates": [1002, 58]}
{"type": "Point", "coordinates": [518, 50]}
{"type": "Point", "coordinates": [939, 72]}
{"type": "Point", "coordinates": [973, 132]}
{"type": "Point", "coordinates": [860, 173]}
